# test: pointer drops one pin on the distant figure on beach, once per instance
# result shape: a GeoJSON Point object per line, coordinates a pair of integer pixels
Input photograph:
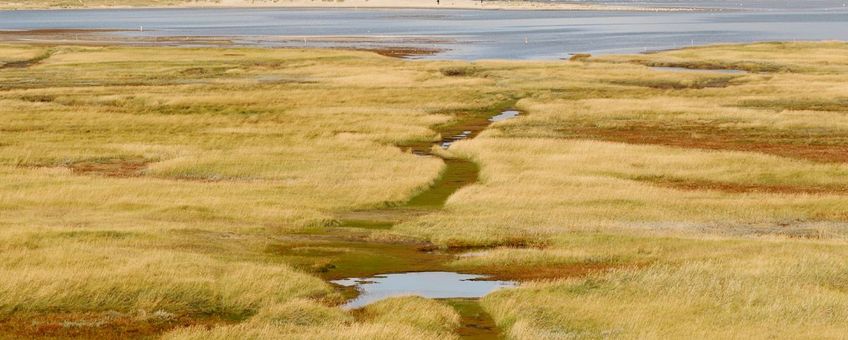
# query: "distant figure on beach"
{"type": "Point", "coordinates": [437, 2]}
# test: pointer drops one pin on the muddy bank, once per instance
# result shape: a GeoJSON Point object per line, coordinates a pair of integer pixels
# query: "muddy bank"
{"type": "Point", "coordinates": [395, 47]}
{"type": "Point", "coordinates": [101, 325]}
{"type": "Point", "coordinates": [403, 52]}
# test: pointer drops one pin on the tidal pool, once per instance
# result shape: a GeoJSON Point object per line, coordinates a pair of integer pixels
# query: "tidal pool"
{"type": "Point", "coordinates": [434, 285]}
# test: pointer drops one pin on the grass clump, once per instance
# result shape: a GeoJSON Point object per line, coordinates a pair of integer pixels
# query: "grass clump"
{"type": "Point", "coordinates": [458, 71]}
{"type": "Point", "coordinates": [302, 313]}
{"type": "Point", "coordinates": [143, 280]}
{"type": "Point", "coordinates": [414, 311]}
{"type": "Point", "coordinates": [707, 289]}
{"type": "Point", "coordinates": [408, 318]}
{"type": "Point", "coordinates": [676, 84]}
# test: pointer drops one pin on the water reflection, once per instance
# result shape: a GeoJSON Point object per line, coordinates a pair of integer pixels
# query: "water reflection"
{"type": "Point", "coordinates": [435, 285]}
{"type": "Point", "coordinates": [504, 116]}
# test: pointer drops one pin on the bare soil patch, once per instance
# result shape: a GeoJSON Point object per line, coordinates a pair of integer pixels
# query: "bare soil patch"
{"type": "Point", "coordinates": [97, 325]}
{"type": "Point", "coordinates": [111, 167]}
{"type": "Point", "coordinates": [699, 185]}
{"type": "Point", "coordinates": [819, 146]}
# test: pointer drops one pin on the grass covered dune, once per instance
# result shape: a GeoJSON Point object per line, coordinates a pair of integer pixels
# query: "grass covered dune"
{"type": "Point", "coordinates": [196, 193]}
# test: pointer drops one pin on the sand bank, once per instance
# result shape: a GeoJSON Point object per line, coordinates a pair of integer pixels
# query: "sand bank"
{"type": "Point", "coordinates": [428, 4]}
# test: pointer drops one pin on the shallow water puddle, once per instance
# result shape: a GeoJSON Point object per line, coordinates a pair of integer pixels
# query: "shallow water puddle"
{"type": "Point", "coordinates": [434, 285]}
{"type": "Point", "coordinates": [695, 70]}
{"type": "Point", "coordinates": [504, 116]}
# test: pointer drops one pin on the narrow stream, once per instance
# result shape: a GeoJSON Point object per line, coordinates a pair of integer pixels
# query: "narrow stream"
{"type": "Point", "coordinates": [458, 173]}
{"type": "Point", "coordinates": [410, 271]}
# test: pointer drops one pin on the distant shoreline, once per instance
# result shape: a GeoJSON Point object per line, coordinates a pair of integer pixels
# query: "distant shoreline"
{"type": "Point", "coordinates": [375, 4]}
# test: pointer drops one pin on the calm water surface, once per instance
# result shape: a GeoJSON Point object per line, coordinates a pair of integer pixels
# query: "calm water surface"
{"type": "Point", "coordinates": [465, 34]}
{"type": "Point", "coordinates": [727, 4]}
{"type": "Point", "coordinates": [434, 285]}
{"type": "Point", "coordinates": [508, 114]}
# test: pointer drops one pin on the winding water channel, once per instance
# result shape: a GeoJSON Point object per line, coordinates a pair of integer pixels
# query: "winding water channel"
{"type": "Point", "coordinates": [423, 272]}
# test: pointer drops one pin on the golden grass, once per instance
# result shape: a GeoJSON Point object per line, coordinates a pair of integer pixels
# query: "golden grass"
{"type": "Point", "coordinates": [649, 203]}
{"type": "Point", "coordinates": [192, 166]}
{"type": "Point", "coordinates": [533, 187]}
{"type": "Point", "coordinates": [13, 54]}
{"type": "Point", "coordinates": [415, 311]}
{"type": "Point", "coordinates": [713, 288]}
{"type": "Point", "coordinates": [394, 318]}
{"type": "Point", "coordinates": [818, 57]}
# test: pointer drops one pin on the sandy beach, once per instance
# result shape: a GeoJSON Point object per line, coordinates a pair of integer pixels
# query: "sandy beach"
{"type": "Point", "coordinates": [424, 4]}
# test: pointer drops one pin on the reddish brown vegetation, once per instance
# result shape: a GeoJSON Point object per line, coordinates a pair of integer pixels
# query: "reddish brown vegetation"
{"type": "Point", "coordinates": [114, 167]}
{"type": "Point", "coordinates": [691, 184]}
{"type": "Point", "coordinates": [820, 146]}
{"type": "Point", "coordinates": [509, 242]}
{"type": "Point", "coordinates": [95, 325]}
